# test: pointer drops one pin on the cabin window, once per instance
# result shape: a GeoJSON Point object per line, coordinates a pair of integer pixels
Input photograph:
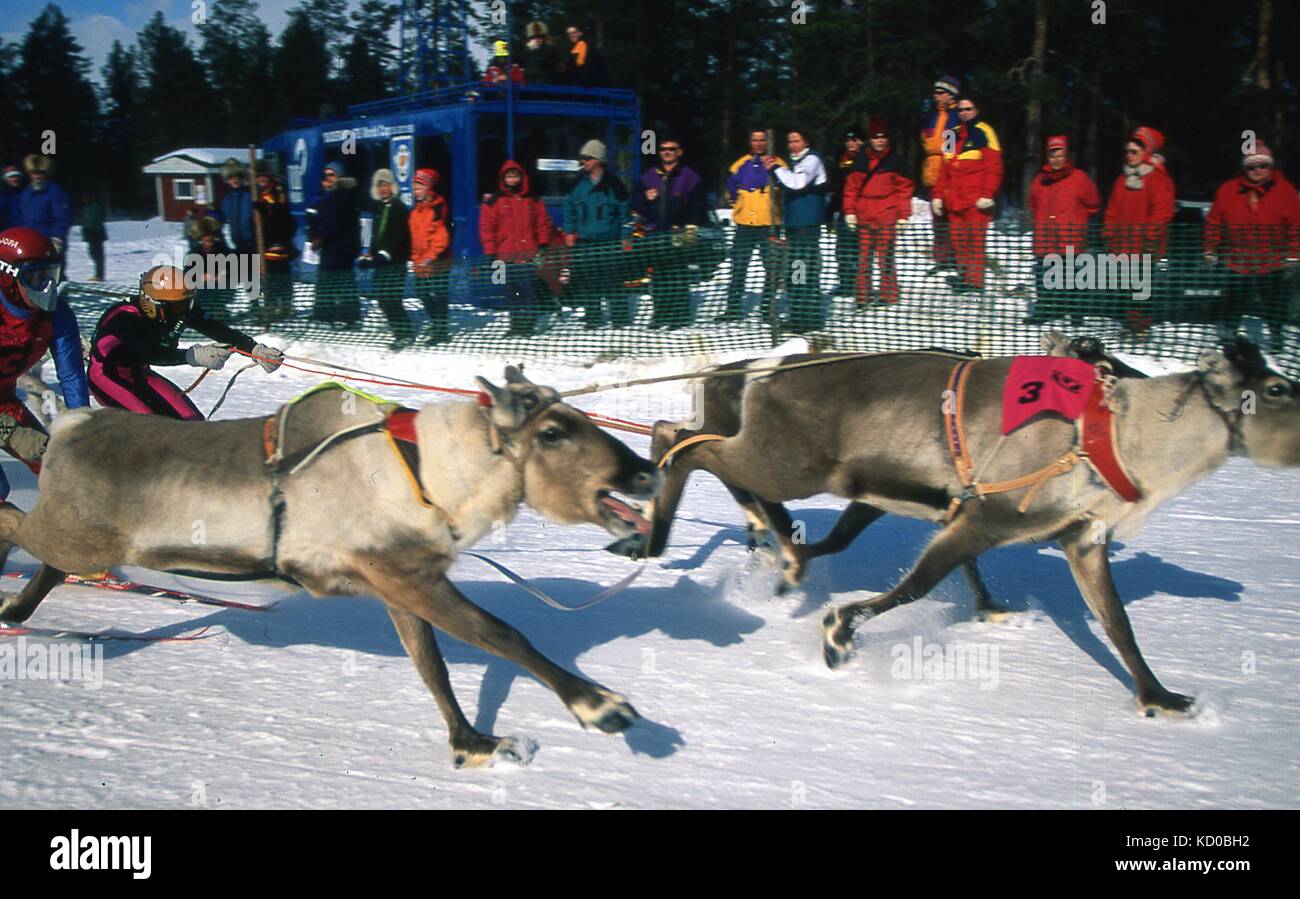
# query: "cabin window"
{"type": "Point", "coordinates": [183, 189]}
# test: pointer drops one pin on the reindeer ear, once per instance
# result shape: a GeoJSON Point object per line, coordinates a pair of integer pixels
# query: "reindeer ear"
{"type": "Point", "coordinates": [1054, 343]}
{"type": "Point", "coordinates": [1246, 357]}
{"type": "Point", "coordinates": [1222, 378]}
{"type": "Point", "coordinates": [506, 410]}
{"type": "Point", "coordinates": [515, 375]}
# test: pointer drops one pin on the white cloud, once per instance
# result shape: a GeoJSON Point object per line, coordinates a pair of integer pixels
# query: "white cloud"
{"type": "Point", "coordinates": [96, 34]}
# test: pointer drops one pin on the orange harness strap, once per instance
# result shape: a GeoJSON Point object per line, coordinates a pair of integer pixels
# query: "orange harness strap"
{"type": "Point", "coordinates": [686, 444]}
{"type": "Point", "coordinates": [1098, 439]}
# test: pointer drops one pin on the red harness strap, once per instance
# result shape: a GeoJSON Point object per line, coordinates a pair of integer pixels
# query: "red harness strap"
{"type": "Point", "coordinates": [1097, 429]}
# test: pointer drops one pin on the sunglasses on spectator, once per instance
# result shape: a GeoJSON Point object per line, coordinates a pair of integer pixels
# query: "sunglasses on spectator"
{"type": "Point", "coordinates": [965, 108]}
{"type": "Point", "coordinates": [586, 158]}
{"type": "Point", "coordinates": [1254, 167]}
{"type": "Point", "coordinates": [670, 149]}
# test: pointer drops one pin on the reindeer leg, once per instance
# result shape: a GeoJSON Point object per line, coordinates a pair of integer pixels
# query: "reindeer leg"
{"type": "Point", "coordinates": [985, 608]}
{"type": "Point", "coordinates": [855, 519]}
{"type": "Point", "coordinates": [954, 545]}
{"type": "Point", "coordinates": [469, 747]}
{"type": "Point", "coordinates": [18, 607]}
{"type": "Point", "coordinates": [1091, 568]}
{"type": "Point", "coordinates": [447, 609]}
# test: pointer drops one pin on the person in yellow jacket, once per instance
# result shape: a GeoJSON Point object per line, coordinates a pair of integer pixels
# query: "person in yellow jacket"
{"type": "Point", "coordinates": [755, 213]}
{"type": "Point", "coordinates": [940, 119]}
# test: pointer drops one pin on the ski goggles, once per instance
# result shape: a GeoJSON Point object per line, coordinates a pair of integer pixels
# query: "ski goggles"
{"type": "Point", "coordinates": [39, 279]}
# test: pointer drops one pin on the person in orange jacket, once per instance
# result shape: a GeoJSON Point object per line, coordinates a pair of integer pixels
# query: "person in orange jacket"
{"type": "Point", "coordinates": [1062, 199]}
{"type": "Point", "coordinates": [969, 179]}
{"type": "Point", "coordinates": [430, 239]}
{"type": "Point", "coordinates": [942, 118]}
{"type": "Point", "coordinates": [1254, 229]}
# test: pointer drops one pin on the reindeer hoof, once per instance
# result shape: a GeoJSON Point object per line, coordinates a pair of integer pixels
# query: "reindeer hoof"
{"type": "Point", "coordinates": [1165, 703]}
{"type": "Point", "coordinates": [482, 751]}
{"type": "Point", "coordinates": [604, 710]}
{"type": "Point", "coordinates": [633, 547]}
{"type": "Point", "coordinates": [837, 640]}
{"type": "Point", "coordinates": [995, 614]}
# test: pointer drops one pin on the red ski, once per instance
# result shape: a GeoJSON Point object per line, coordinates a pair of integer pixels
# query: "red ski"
{"type": "Point", "coordinates": [121, 585]}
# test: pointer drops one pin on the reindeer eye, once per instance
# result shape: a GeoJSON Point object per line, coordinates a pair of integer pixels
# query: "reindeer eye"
{"type": "Point", "coordinates": [1277, 390]}
{"type": "Point", "coordinates": [551, 435]}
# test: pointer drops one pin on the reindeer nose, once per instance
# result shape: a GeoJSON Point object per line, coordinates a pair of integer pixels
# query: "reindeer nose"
{"type": "Point", "coordinates": [645, 484]}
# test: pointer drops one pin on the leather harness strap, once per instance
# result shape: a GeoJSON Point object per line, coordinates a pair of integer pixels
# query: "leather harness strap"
{"type": "Point", "coordinates": [686, 444]}
{"type": "Point", "coordinates": [1096, 444]}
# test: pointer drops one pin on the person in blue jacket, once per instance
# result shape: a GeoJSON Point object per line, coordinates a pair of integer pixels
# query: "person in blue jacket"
{"type": "Point", "coordinates": [334, 229]}
{"type": "Point", "coordinates": [237, 208]}
{"type": "Point", "coordinates": [43, 206]}
{"type": "Point", "coordinates": [595, 217]}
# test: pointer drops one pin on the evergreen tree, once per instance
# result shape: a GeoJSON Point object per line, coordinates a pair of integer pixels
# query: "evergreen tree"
{"type": "Point", "coordinates": [300, 69]}
{"type": "Point", "coordinates": [178, 101]}
{"type": "Point", "coordinates": [122, 153]}
{"type": "Point", "coordinates": [369, 60]}
{"type": "Point", "coordinates": [235, 49]}
{"type": "Point", "coordinates": [54, 98]}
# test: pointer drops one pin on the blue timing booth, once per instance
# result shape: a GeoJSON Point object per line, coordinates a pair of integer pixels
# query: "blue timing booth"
{"type": "Point", "coordinates": [466, 132]}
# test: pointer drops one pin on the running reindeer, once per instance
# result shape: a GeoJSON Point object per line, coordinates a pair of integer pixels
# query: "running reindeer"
{"type": "Point", "coordinates": [883, 439]}
{"type": "Point", "coordinates": [340, 495]}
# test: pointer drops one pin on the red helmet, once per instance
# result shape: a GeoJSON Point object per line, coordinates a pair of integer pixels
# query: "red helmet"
{"type": "Point", "coordinates": [30, 270]}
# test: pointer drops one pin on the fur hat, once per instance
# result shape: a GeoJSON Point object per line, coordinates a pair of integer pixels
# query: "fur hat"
{"type": "Point", "coordinates": [1058, 142]}
{"type": "Point", "coordinates": [34, 162]}
{"type": "Point", "coordinates": [537, 29]}
{"type": "Point", "coordinates": [201, 226]}
{"type": "Point", "coordinates": [593, 148]}
{"type": "Point", "coordinates": [382, 176]}
{"type": "Point", "coordinates": [1262, 154]}
{"type": "Point", "coordinates": [232, 167]}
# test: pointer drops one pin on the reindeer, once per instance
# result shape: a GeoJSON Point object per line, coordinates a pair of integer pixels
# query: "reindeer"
{"type": "Point", "coordinates": [871, 430]}
{"type": "Point", "coordinates": [319, 495]}
{"type": "Point", "coordinates": [719, 411]}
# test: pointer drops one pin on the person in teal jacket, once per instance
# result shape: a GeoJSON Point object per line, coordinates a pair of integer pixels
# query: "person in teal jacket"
{"type": "Point", "coordinates": [596, 215]}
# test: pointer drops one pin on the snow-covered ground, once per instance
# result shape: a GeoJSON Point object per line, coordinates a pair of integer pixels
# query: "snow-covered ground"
{"type": "Point", "coordinates": [315, 705]}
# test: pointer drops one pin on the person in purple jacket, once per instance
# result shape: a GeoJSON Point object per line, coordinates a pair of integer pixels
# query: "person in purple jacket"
{"type": "Point", "coordinates": [670, 200]}
{"type": "Point", "coordinates": [42, 205]}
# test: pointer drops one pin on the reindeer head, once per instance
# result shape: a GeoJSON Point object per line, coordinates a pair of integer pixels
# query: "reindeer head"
{"type": "Point", "coordinates": [1263, 405]}
{"type": "Point", "coordinates": [572, 470]}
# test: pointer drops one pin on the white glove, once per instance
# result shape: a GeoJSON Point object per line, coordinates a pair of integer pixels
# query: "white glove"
{"type": "Point", "coordinates": [28, 444]}
{"type": "Point", "coordinates": [58, 245]}
{"type": "Point", "coordinates": [937, 205]}
{"type": "Point", "coordinates": [983, 203]}
{"type": "Point", "coordinates": [851, 220]}
{"type": "Point", "coordinates": [268, 357]}
{"type": "Point", "coordinates": [691, 232]}
{"type": "Point", "coordinates": [208, 355]}
{"type": "Point", "coordinates": [1211, 259]}
{"type": "Point", "coordinates": [384, 253]}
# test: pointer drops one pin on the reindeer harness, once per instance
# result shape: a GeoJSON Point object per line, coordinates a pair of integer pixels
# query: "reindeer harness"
{"type": "Point", "coordinates": [1095, 444]}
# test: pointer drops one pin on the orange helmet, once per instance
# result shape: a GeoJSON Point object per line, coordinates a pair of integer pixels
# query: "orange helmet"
{"type": "Point", "coordinates": [163, 294]}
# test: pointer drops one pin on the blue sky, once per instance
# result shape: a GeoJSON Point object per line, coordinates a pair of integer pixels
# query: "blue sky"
{"type": "Point", "coordinates": [97, 23]}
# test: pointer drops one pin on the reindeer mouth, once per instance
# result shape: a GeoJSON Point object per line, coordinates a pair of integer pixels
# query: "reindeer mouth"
{"type": "Point", "coordinates": [621, 516]}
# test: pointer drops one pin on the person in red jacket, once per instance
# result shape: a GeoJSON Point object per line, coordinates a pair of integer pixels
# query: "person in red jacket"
{"type": "Point", "coordinates": [1254, 229]}
{"type": "Point", "coordinates": [877, 203]}
{"type": "Point", "coordinates": [969, 179]}
{"type": "Point", "coordinates": [1061, 200]}
{"type": "Point", "coordinates": [1140, 208]}
{"type": "Point", "coordinates": [514, 226]}
{"type": "Point", "coordinates": [1141, 204]}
